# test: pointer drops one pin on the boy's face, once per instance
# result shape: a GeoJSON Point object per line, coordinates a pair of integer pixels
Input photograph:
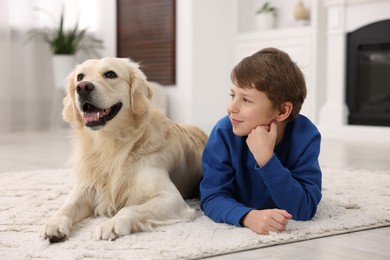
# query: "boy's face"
{"type": "Point", "coordinates": [248, 109]}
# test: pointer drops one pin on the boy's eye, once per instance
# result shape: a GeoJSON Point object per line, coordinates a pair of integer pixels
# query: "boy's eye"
{"type": "Point", "coordinates": [246, 100]}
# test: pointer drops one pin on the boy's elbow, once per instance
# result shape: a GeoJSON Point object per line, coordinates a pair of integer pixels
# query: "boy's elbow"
{"type": "Point", "coordinates": [307, 213]}
{"type": "Point", "coordinates": [305, 216]}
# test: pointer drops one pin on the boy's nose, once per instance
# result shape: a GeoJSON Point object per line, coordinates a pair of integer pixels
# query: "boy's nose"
{"type": "Point", "coordinates": [232, 107]}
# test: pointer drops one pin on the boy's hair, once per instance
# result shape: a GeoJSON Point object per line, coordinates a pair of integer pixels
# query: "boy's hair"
{"type": "Point", "coordinates": [273, 72]}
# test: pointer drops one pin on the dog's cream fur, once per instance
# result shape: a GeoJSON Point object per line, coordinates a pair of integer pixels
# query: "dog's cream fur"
{"type": "Point", "coordinates": [137, 168]}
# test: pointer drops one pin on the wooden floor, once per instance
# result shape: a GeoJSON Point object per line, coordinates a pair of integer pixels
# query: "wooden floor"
{"type": "Point", "coordinates": [45, 150]}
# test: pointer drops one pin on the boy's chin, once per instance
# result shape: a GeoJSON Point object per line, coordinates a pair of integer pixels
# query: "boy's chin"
{"type": "Point", "coordinates": [240, 132]}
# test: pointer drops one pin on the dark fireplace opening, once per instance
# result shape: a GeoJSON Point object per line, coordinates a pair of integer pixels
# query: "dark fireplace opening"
{"type": "Point", "coordinates": [368, 75]}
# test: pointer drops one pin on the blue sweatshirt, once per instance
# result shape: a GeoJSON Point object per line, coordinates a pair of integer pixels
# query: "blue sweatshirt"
{"type": "Point", "coordinates": [233, 183]}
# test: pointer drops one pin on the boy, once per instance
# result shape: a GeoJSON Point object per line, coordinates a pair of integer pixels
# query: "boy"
{"type": "Point", "coordinates": [260, 164]}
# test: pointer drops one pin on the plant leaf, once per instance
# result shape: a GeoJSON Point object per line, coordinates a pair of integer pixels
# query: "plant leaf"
{"type": "Point", "coordinates": [62, 41]}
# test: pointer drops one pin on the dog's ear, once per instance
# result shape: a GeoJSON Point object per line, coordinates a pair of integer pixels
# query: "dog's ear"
{"type": "Point", "coordinates": [70, 113]}
{"type": "Point", "coordinates": [140, 92]}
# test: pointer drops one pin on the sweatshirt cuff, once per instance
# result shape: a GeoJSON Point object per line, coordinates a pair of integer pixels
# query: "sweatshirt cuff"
{"type": "Point", "coordinates": [236, 214]}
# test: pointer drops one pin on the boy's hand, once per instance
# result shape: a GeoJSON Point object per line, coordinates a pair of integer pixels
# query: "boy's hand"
{"type": "Point", "coordinates": [264, 221]}
{"type": "Point", "coordinates": [261, 142]}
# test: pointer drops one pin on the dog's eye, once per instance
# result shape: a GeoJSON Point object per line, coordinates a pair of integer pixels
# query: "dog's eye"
{"type": "Point", "coordinates": [80, 77]}
{"type": "Point", "coordinates": [110, 74]}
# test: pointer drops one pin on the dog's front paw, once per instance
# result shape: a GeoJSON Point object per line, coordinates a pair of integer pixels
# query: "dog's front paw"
{"type": "Point", "coordinates": [112, 229]}
{"type": "Point", "coordinates": [57, 229]}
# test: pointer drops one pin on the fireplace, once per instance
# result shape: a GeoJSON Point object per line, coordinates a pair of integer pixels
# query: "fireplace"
{"type": "Point", "coordinates": [344, 17]}
{"type": "Point", "coordinates": [368, 75]}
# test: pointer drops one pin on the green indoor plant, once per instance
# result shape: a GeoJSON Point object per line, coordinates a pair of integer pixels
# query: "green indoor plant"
{"type": "Point", "coordinates": [267, 8]}
{"type": "Point", "coordinates": [64, 45]}
{"type": "Point", "coordinates": [67, 41]}
{"type": "Point", "coordinates": [265, 16]}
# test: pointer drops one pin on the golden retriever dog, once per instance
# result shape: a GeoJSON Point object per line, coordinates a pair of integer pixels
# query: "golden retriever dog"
{"type": "Point", "coordinates": [131, 163]}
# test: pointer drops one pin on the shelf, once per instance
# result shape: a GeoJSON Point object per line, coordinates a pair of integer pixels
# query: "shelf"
{"type": "Point", "coordinates": [293, 32]}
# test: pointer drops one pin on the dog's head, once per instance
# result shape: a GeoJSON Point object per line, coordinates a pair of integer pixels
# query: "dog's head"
{"type": "Point", "coordinates": [101, 90]}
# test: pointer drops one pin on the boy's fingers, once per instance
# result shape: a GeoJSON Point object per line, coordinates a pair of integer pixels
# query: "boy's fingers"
{"type": "Point", "coordinates": [284, 213]}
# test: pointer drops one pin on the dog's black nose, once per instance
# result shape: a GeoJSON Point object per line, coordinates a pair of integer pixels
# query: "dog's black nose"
{"type": "Point", "coordinates": [84, 87]}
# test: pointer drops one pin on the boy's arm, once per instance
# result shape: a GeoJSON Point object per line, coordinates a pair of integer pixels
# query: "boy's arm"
{"type": "Point", "coordinates": [217, 185]}
{"type": "Point", "coordinates": [297, 189]}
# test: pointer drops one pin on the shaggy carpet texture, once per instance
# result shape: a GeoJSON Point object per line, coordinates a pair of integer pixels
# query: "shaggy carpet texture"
{"type": "Point", "coordinates": [352, 200]}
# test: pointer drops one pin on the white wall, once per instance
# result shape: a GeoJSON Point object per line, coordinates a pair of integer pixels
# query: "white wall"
{"type": "Point", "coordinates": [214, 42]}
{"type": "Point", "coordinates": [205, 44]}
{"type": "Point", "coordinates": [105, 21]}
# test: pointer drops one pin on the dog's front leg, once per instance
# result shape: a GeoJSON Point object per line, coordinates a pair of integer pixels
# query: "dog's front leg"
{"type": "Point", "coordinates": [144, 217]}
{"type": "Point", "coordinates": [160, 204]}
{"type": "Point", "coordinates": [76, 208]}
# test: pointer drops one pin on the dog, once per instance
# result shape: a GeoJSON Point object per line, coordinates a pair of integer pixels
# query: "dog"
{"type": "Point", "coordinates": [131, 163]}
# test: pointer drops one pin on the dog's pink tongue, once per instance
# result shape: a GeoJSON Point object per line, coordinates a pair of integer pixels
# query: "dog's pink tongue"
{"type": "Point", "coordinates": [95, 115]}
{"type": "Point", "coordinates": [91, 117]}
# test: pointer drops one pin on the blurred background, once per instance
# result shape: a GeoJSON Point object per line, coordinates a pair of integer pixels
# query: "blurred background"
{"type": "Point", "coordinates": [189, 48]}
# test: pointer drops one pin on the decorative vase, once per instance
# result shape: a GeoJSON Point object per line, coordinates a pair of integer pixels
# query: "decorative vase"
{"type": "Point", "coordinates": [62, 66]}
{"type": "Point", "coordinates": [265, 21]}
{"type": "Point", "coordinates": [301, 12]}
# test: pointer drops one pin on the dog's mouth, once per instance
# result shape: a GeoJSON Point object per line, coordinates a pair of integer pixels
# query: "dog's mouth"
{"type": "Point", "coordinates": [94, 116]}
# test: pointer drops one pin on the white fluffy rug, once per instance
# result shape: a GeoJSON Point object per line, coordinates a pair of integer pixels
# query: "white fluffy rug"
{"type": "Point", "coordinates": [352, 200]}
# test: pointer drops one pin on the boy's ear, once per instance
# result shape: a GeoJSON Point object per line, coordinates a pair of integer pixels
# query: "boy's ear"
{"type": "Point", "coordinates": [284, 111]}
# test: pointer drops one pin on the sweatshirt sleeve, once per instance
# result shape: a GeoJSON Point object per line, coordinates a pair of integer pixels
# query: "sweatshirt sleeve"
{"type": "Point", "coordinates": [297, 187]}
{"type": "Point", "coordinates": [217, 185]}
